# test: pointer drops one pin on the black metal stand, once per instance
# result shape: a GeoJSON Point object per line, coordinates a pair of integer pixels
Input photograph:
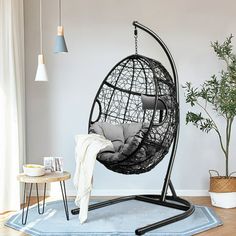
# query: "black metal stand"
{"type": "Point", "coordinates": [27, 202]}
{"type": "Point", "coordinates": [170, 201]}
{"type": "Point", "coordinates": [163, 199]}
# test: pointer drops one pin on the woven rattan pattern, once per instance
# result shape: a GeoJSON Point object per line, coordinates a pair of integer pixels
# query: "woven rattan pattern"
{"type": "Point", "coordinates": [119, 101]}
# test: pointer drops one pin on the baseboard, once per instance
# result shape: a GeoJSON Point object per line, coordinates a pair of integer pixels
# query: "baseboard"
{"type": "Point", "coordinates": [123, 192]}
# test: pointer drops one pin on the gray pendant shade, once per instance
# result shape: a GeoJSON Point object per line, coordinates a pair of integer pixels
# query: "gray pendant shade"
{"type": "Point", "coordinates": [60, 45]}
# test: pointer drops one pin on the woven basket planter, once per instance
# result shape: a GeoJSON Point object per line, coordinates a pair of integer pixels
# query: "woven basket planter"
{"type": "Point", "coordinates": [222, 184]}
{"type": "Point", "coordinates": [223, 190]}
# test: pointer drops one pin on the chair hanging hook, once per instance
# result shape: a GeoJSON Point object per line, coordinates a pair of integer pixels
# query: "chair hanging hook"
{"type": "Point", "coordinates": [136, 39]}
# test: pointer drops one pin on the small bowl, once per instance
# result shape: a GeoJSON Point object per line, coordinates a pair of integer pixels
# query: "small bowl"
{"type": "Point", "coordinates": [34, 170]}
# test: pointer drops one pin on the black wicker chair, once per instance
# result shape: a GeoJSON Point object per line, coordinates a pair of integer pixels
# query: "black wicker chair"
{"type": "Point", "coordinates": [139, 89]}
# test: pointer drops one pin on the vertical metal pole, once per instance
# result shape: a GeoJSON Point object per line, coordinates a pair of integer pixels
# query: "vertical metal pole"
{"type": "Point", "coordinates": [176, 81]}
{"type": "Point", "coordinates": [172, 189]}
{"type": "Point", "coordinates": [170, 167]}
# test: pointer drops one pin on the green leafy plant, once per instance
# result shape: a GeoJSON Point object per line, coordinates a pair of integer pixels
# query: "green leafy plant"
{"type": "Point", "coordinates": [217, 94]}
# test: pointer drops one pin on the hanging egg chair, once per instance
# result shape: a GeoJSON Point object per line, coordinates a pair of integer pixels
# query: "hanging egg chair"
{"type": "Point", "coordinates": [138, 90]}
{"type": "Point", "coordinates": [138, 110]}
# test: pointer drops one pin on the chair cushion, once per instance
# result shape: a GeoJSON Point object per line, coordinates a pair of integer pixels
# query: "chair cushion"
{"type": "Point", "coordinates": [124, 143]}
{"type": "Point", "coordinates": [130, 129]}
{"type": "Point", "coordinates": [110, 132]}
{"type": "Point", "coordinates": [148, 102]}
{"type": "Point", "coordinates": [132, 143]}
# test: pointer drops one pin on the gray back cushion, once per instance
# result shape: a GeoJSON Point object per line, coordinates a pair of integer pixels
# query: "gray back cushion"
{"type": "Point", "coordinates": [130, 129]}
{"type": "Point", "coordinates": [110, 132]}
{"type": "Point", "coordinates": [148, 102]}
{"type": "Point", "coordinates": [118, 134]}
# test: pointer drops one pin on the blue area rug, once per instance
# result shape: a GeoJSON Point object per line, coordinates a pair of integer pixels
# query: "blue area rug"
{"type": "Point", "coordinates": [119, 219]}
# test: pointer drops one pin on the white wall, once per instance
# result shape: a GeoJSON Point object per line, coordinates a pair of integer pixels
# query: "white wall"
{"type": "Point", "coordinates": [99, 34]}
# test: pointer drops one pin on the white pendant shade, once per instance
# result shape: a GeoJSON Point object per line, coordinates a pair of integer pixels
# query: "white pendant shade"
{"type": "Point", "coordinates": [41, 74]}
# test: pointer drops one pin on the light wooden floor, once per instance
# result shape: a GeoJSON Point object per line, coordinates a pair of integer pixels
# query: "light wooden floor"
{"type": "Point", "coordinates": [228, 216]}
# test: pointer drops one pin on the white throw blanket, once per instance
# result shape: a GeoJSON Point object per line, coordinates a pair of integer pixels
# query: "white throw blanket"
{"type": "Point", "coordinates": [87, 148]}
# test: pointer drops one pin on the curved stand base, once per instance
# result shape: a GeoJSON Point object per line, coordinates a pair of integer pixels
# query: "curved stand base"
{"type": "Point", "coordinates": [171, 202]}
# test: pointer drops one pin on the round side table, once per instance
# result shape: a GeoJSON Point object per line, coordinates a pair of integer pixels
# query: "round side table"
{"type": "Point", "coordinates": [47, 178]}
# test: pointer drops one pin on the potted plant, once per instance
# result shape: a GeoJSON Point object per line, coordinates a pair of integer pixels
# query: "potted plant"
{"type": "Point", "coordinates": [217, 95]}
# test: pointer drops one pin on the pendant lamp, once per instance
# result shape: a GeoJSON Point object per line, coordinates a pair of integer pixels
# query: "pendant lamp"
{"type": "Point", "coordinates": [41, 74]}
{"type": "Point", "coordinates": [60, 45]}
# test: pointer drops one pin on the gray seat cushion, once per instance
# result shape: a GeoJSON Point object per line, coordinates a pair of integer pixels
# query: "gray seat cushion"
{"type": "Point", "coordinates": [125, 138]}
